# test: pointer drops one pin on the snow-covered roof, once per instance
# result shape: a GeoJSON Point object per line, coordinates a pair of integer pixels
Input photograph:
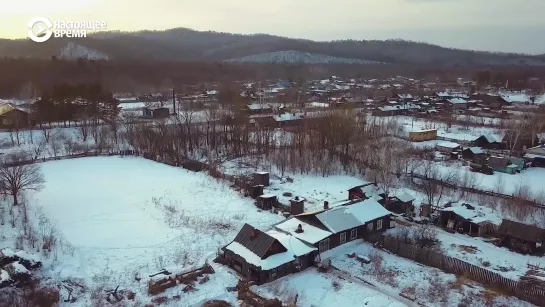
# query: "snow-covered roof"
{"type": "Point", "coordinates": [288, 117]}
{"type": "Point", "coordinates": [310, 233]}
{"type": "Point", "coordinates": [4, 276]}
{"type": "Point", "coordinates": [295, 248]}
{"type": "Point", "coordinates": [457, 101]}
{"type": "Point", "coordinates": [448, 144]}
{"type": "Point", "coordinates": [404, 197]}
{"type": "Point", "coordinates": [257, 106]}
{"type": "Point", "coordinates": [405, 96]}
{"type": "Point", "coordinates": [408, 106]}
{"type": "Point", "coordinates": [346, 217]}
{"type": "Point", "coordinates": [16, 267]}
{"type": "Point", "coordinates": [372, 191]}
{"type": "Point", "coordinates": [478, 215]}
{"type": "Point", "coordinates": [476, 150]}
{"type": "Point", "coordinates": [515, 97]}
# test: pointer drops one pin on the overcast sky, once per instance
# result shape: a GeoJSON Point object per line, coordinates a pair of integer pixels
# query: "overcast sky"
{"type": "Point", "coordinates": [494, 25]}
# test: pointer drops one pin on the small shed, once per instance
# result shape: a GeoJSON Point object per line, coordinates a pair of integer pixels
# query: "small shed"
{"type": "Point", "coordinates": [262, 178]}
{"type": "Point", "coordinates": [401, 203]}
{"type": "Point", "coordinates": [256, 191]}
{"type": "Point", "coordinates": [266, 201]}
{"type": "Point", "coordinates": [297, 205]}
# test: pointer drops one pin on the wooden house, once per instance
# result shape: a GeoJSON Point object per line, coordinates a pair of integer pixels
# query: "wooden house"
{"type": "Point", "coordinates": [508, 165]}
{"type": "Point", "coordinates": [156, 112]}
{"type": "Point", "coordinates": [488, 142]}
{"type": "Point", "coordinates": [423, 135]}
{"type": "Point", "coordinates": [448, 147]}
{"type": "Point", "coordinates": [401, 203]}
{"type": "Point", "coordinates": [536, 155]}
{"type": "Point", "coordinates": [463, 218]}
{"type": "Point", "coordinates": [366, 191]}
{"type": "Point", "coordinates": [259, 108]}
{"type": "Point", "coordinates": [521, 237]}
{"type": "Point", "coordinates": [329, 228]}
{"type": "Point", "coordinates": [474, 153]}
{"type": "Point", "coordinates": [12, 116]}
{"type": "Point", "coordinates": [458, 103]}
{"type": "Point", "coordinates": [265, 256]}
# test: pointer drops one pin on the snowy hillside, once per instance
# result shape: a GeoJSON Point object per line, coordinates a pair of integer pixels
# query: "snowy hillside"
{"type": "Point", "coordinates": [292, 56]}
{"type": "Point", "coordinates": [75, 51]}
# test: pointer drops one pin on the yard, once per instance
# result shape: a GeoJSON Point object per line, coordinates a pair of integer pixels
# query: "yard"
{"type": "Point", "coordinates": [121, 217]}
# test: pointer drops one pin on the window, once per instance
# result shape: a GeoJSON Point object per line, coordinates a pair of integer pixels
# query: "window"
{"type": "Point", "coordinates": [353, 233]}
{"type": "Point", "coordinates": [370, 226]}
{"type": "Point", "coordinates": [343, 237]}
{"type": "Point", "coordinates": [324, 245]}
{"type": "Point", "coordinates": [379, 224]}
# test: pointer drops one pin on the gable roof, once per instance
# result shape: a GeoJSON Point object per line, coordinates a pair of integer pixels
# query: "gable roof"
{"type": "Point", "coordinates": [311, 234]}
{"type": "Point", "coordinates": [341, 218]}
{"type": "Point", "coordinates": [254, 240]}
{"type": "Point", "coordinates": [525, 232]}
{"type": "Point", "coordinates": [498, 162]}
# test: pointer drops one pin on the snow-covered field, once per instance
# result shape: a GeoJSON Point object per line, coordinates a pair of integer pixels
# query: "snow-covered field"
{"type": "Point", "coordinates": [122, 216]}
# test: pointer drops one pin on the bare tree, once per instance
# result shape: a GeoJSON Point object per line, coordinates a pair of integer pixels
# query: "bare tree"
{"type": "Point", "coordinates": [515, 130]}
{"type": "Point", "coordinates": [437, 183]}
{"type": "Point", "coordinates": [16, 176]}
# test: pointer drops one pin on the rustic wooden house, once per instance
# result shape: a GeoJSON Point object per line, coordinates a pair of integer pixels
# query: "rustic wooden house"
{"type": "Point", "coordinates": [401, 203]}
{"type": "Point", "coordinates": [265, 256]}
{"type": "Point", "coordinates": [12, 116]}
{"type": "Point", "coordinates": [423, 135]}
{"type": "Point", "coordinates": [463, 218]}
{"type": "Point", "coordinates": [329, 228]}
{"type": "Point", "coordinates": [448, 147]}
{"type": "Point", "coordinates": [365, 191]}
{"type": "Point", "coordinates": [259, 108]}
{"type": "Point", "coordinates": [508, 165]}
{"type": "Point", "coordinates": [488, 142]}
{"type": "Point", "coordinates": [535, 155]}
{"type": "Point", "coordinates": [521, 237]}
{"type": "Point", "coordinates": [474, 153]}
{"type": "Point", "coordinates": [155, 112]}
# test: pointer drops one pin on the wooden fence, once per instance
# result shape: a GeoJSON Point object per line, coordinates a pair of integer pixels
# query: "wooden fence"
{"type": "Point", "coordinates": [532, 203]}
{"type": "Point", "coordinates": [521, 290]}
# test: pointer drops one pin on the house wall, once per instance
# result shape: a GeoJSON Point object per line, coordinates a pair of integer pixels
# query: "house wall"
{"type": "Point", "coordinates": [363, 232]}
{"type": "Point", "coordinates": [420, 136]}
{"type": "Point", "coordinates": [15, 118]}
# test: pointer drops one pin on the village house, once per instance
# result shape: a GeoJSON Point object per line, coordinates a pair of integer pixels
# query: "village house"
{"type": "Point", "coordinates": [422, 135]}
{"type": "Point", "coordinates": [458, 103]}
{"type": "Point", "coordinates": [463, 218]}
{"type": "Point", "coordinates": [12, 116]}
{"type": "Point", "coordinates": [363, 219]}
{"type": "Point", "coordinates": [448, 147]}
{"type": "Point", "coordinates": [366, 191]}
{"type": "Point", "coordinates": [487, 142]}
{"type": "Point", "coordinates": [155, 112]}
{"type": "Point", "coordinates": [259, 108]}
{"type": "Point", "coordinates": [265, 256]}
{"type": "Point", "coordinates": [521, 237]}
{"type": "Point", "coordinates": [392, 110]}
{"type": "Point", "coordinates": [508, 165]}
{"type": "Point", "coordinates": [474, 153]}
{"type": "Point", "coordinates": [519, 141]}
{"type": "Point", "coordinates": [536, 155]}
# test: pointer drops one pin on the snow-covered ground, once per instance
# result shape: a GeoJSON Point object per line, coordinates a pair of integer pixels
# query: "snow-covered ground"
{"type": "Point", "coordinates": [314, 189]}
{"type": "Point", "coordinates": [430, 287]}
{"type": "Point", "coordinates": [498, 259]}
{"type": "Point", "coordinates": [322, 289]}
{"type": "Point", "coordinates": [122, 216]}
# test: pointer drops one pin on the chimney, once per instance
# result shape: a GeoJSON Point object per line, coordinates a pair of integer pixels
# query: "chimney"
{"type": "Point", "coordinates": [326, 205]}
{"type": "Point", "coordinates": [299, 228]}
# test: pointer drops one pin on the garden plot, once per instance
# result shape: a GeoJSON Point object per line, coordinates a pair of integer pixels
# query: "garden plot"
{"type": "Point", "coordinates": [480, 253]}
{"type": "Point", "coordinates": [126, 215]}
{"type": "Point", "coordinates": [430, 287]}
{"type": "Point", "coordinates": [322, 289]}
{"type": "Point", "coordinates": [314, 189]}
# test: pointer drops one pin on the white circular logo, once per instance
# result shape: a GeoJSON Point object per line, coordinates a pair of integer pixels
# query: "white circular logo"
{"type": "Point", "coordinates": [40, 29]}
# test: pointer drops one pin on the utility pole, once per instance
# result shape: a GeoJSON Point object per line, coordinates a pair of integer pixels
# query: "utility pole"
{"type": "Point", "coordinates": [174, 101]}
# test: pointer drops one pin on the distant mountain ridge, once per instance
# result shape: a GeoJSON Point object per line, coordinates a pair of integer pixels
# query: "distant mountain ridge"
{"type": "Point", "coordinates": [183, 44]}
